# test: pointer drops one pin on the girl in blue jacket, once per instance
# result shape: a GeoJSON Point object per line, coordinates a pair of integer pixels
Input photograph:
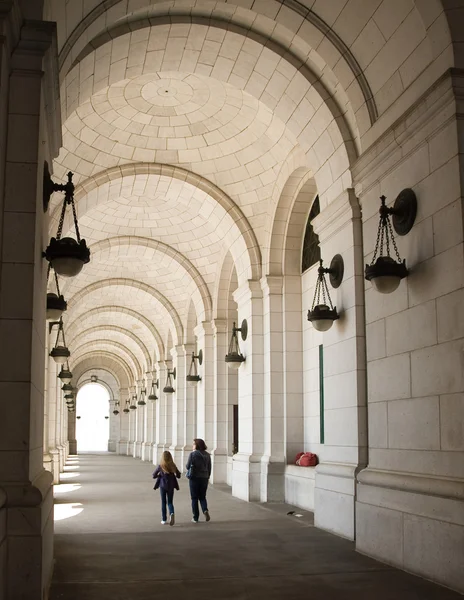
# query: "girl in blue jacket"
{"type": "Point", "coordinates": [166, 475]}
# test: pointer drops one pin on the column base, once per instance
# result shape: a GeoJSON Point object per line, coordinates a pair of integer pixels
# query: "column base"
{"type": "Point", "coordinates": [137, 450]}
{"type": "Point", "coordinates": [272, 481]}
{"type": "Point", "coordinates": [130, 448]}
{"type": "Point", "coordinates": [147, 451]}
{"type": "Point", "coordinates": [72, 447]}
{"type": "Point", "coordinates": [246, 477]}
{"type": "Point", "coordinates": [121, 447]}
{"type": "Point", "coordinates": [219, 466]}
{"type": "Point", "coordinates": [112, 445]}
{"type": "Point", "coordinates": [55, 465]}
{"type": "Point", "coordinates": [412, 522]}
{"type": "Point", "coordinates": [334, 498]}
{"type": "Point", "coordinates": [29, 514]}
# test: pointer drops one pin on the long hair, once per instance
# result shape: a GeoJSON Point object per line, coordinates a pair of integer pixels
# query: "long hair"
{"type": "Point", "coordinates": [167, 464]}
{"type": "Point", "coordinates": [200, 444]}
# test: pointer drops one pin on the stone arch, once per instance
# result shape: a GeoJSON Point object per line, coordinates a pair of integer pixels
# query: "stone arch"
{"type": "Point", "coordinates": [302, 54]}
{"type": "Point", "coordinates": [172, 315]}
{"type": "Point", "coordinates": [86, 366]}
{"type": "Point", "coordinates": [233, 223]}
{"type": "Point", "coordinates": [80, 384]}
{"type": "Point", "coordinates": [130, 358]}
{"type": "Point", "coordinates": [117, 329]}
{"type": "Point", "coordinates": [159, 346]}
{"type": "Point", "coordinates": [289, 223]}
{"type": "Point", "coordinates": [114, 361]}
{"type": "Point", "coordinates": [190, 325]}
{"type": "Point", "coordinates": [221, 297]}
{"type": "Point", "coordinates": [203, 304]}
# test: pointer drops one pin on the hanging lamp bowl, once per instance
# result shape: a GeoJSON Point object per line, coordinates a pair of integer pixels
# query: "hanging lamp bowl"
{"type": "Point", "coordinates": [234, 360]}
{"type": "Point", "coordinates": [141, 403]}
{"type": "Point", "coordinates": [65, 375]}
{"type": "Point", "coordinates": [192, 380]}
{"type": "Point", "coordinates": [386, 274]}
{"type": "Point", "coordinates": [152, 397]}
{"type": "Point", "coordinates": [115, 411]}
{"type": "Point", "coordinates": [133, 407]}
{"type": "Point", "coordinates": [67, 387]}
{"type": "Point", "coordinates": [69, 397]}
{"type": "Point", "coordinates": [126, 410]}
{"type": "Point", "coordinates": [322, 317]}
{"type": "Point", "coordinates": [67, 256]}
{"type": "Point", "coordinates": [60, 354]}
{"type": "Point", "coordinates": [168, 389]}
{"type": "Point", "coordinates": [56, 305]}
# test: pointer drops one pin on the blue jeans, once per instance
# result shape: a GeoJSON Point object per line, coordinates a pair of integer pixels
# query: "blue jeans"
{"type": "Point", "coordinates": [198, 487]}
{"type": "Point", "coordinates": [166, 497]}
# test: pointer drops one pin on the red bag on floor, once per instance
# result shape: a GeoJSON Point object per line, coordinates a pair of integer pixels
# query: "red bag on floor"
{"type": "Point", "coordinates": [306, 459]}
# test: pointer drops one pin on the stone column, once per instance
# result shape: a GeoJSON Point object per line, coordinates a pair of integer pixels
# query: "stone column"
{"type": "Point", "coordinates": [124, 394]}
{"type": "Point", "coordinates": [247, 468]}
{"type": "Point", "coordinates": [179, 357]}
{"type": "Point", "coordinates": [139, 421]}
{"type": "Point", "coordinates": [222, 444]}
{"type": "Point", "coordinates": [205, 394]}
{"type": "Point", "coordinates": [115, 427]}
{"type": "Point", "coordinates": [161, 414]}
{"type": "Point", "coordinates": [132, 421]}
{"type": "Point", "coordinates": [25, 486]}
{"type": "Point", "coordinates": [274, 459]}
{"type": "Point", "coordinates": [190, 413]}
{"type": "Point", "coordinates": [53, 393]}
{"type": "Point", "coordinates": [149, 421]}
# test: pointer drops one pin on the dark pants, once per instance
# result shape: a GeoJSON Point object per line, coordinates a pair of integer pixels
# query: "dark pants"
{"type": "Point", "coordinates": [166, 498]}
{"type": "Point", "coordinates": [198, 487]}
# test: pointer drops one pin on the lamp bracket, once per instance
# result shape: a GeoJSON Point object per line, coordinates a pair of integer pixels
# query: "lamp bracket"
{"type": "Point", "coordinates": [199, 357]}
{"type": "Point", "coordinates": [51, 324]}
{"type": "Point", "coordinates": [49, 186]}
{"type": "Point", "coordinates": [172, 373]}
{"type": "Point", "coordinates": [404, 211]}
{"type": "Point", "coordinates": [336, 271]}
{"type": "Point", "coordinates": [243, 329]}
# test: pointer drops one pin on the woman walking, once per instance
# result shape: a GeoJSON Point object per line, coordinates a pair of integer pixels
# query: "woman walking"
{"type": "Point", "coordinates": [166, 475]}
{"type": "Point", "coordinates": [199, 472]}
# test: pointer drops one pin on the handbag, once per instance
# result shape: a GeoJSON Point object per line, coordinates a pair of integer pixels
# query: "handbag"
{"type": "Point", "coordinates": [190, 472]}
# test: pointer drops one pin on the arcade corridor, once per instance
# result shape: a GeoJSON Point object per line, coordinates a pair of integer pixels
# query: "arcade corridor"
{"type": "Point", "coordinates": [116, 547]}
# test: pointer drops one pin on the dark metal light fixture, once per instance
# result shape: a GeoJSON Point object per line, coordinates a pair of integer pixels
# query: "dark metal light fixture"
{"type": "Point", "coordinates": [65, 374]}
{"type": "Point", "coordinates": [115, 410]}
{"type": "Point", "coordinates": [56, 304]}
{"type": "Point", "coordinates": [384, 272]}
{"type": "Point", "coordinates": [234, 357]}
{"type": "Point", "coordinates": [323, 313]}
{"type": "Point", "coordinates": [60, 353]}
{"type": "Point", "coordinates": [66, 255]}
{"type": "Point", "coordinates": [77, 417]}
{"type": "Point", "coordinates": [67, 387]}
{"type": "Point", "coordinates": [141, 401]}
{"type": "Point", "coordinates": [193, 378]}
{"type": "Point", "coordinates": [152, 395]}
{"type": "Point", "coordinates": [168, 389]}
{"type": "Point", "coordinates": [93, 379]}
{"type": "Point", "coordinates": [106, 417]}
{"type": "Point", "coordinates": [126, 407]}
{"type": "Point", "coordinates": [133, 405]}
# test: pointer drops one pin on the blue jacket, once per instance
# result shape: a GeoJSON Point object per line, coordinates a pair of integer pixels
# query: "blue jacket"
{"type": "Point", "coordinates": [166, 481]}
{"type": "Point", "coordinates": [200, 464]}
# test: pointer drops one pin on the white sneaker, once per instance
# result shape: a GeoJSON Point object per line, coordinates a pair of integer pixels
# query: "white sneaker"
{"type": "Point", "coordinates": [193, 521]}
{"type": "Point", "coordinates": [172, 520]}
{"type": "Point", "coordinates": [163, 522]}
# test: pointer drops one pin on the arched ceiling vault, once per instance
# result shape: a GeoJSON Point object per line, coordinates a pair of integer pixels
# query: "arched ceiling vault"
{"type": "Point", "coordinates": [105, 358]}
{"type": "Point", "coordinates": [133, 321]}
{"type": "Point", "coordinates": [94, 333]}
{"type": "Point", "coordinates": [116, 349]}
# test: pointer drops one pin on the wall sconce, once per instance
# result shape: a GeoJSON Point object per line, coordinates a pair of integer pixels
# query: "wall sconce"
{"type": "Point", "coordinates": [126, 407]}
{"type": "Point", "coordinates": [168, 389]}
{"type": "Point", "coordinates": [141, 401]}
{"type": "Point", "coordinates": [93, 379]}
{"type": "Point", "coordinates": [66, 255]}
{"type": "Point", "coordinates": [77, 417]}
{"type": "Point", "coordinates": [116, 411]}
{"type": "Point", "coordinates": [152, 395]}
{"type": "Point", "coordinates": [193, 378]}
{"type": "Point", "coordinates": [60, 353]}
{"type": "Point", "coordinates": [384, 272]}
{"type": "Point", "coordinates": [106, 417]}
{"type": "Point", "coordinates": [133, 405]}
{"type": "Point", "coordinates": [65, 374]}
{"type": "Point", "coordinates": [56, 304]}
{"type": "Point", "coordinates": [323, 314]}
{"type": "Point", "coordinates": [234, 357]}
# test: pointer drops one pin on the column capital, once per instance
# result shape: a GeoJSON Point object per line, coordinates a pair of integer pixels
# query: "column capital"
{"type": "Point", "coordinates": [204, 328]}
{"type": "Point", "coordinates": [219, 326]}
{"type": "Point", "coordinates": [250, 290]}
{"type": "Point", "coordinates": [272, 284]}
{"type": "Point", "coordinates": [341, 211]}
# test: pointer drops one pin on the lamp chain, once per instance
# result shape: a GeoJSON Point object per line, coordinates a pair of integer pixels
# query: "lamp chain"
{"type": "Point", "coordinates": [78, 235]}
{"type": "Point", "coordinates": [321, 286]}
{"type": "Point", "coordinates": [384, 233]}
{"type": "Point", "coordinates": [56, 281]}
{"type": "Point", "coordinates": [61, 221]}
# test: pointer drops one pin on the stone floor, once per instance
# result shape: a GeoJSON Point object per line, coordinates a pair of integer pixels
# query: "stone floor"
{"type": "Point", "coordinates": [110, 543]}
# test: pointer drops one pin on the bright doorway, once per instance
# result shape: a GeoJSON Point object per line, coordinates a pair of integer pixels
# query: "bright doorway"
{"type": "Point", "coordinates": [92, 424]}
